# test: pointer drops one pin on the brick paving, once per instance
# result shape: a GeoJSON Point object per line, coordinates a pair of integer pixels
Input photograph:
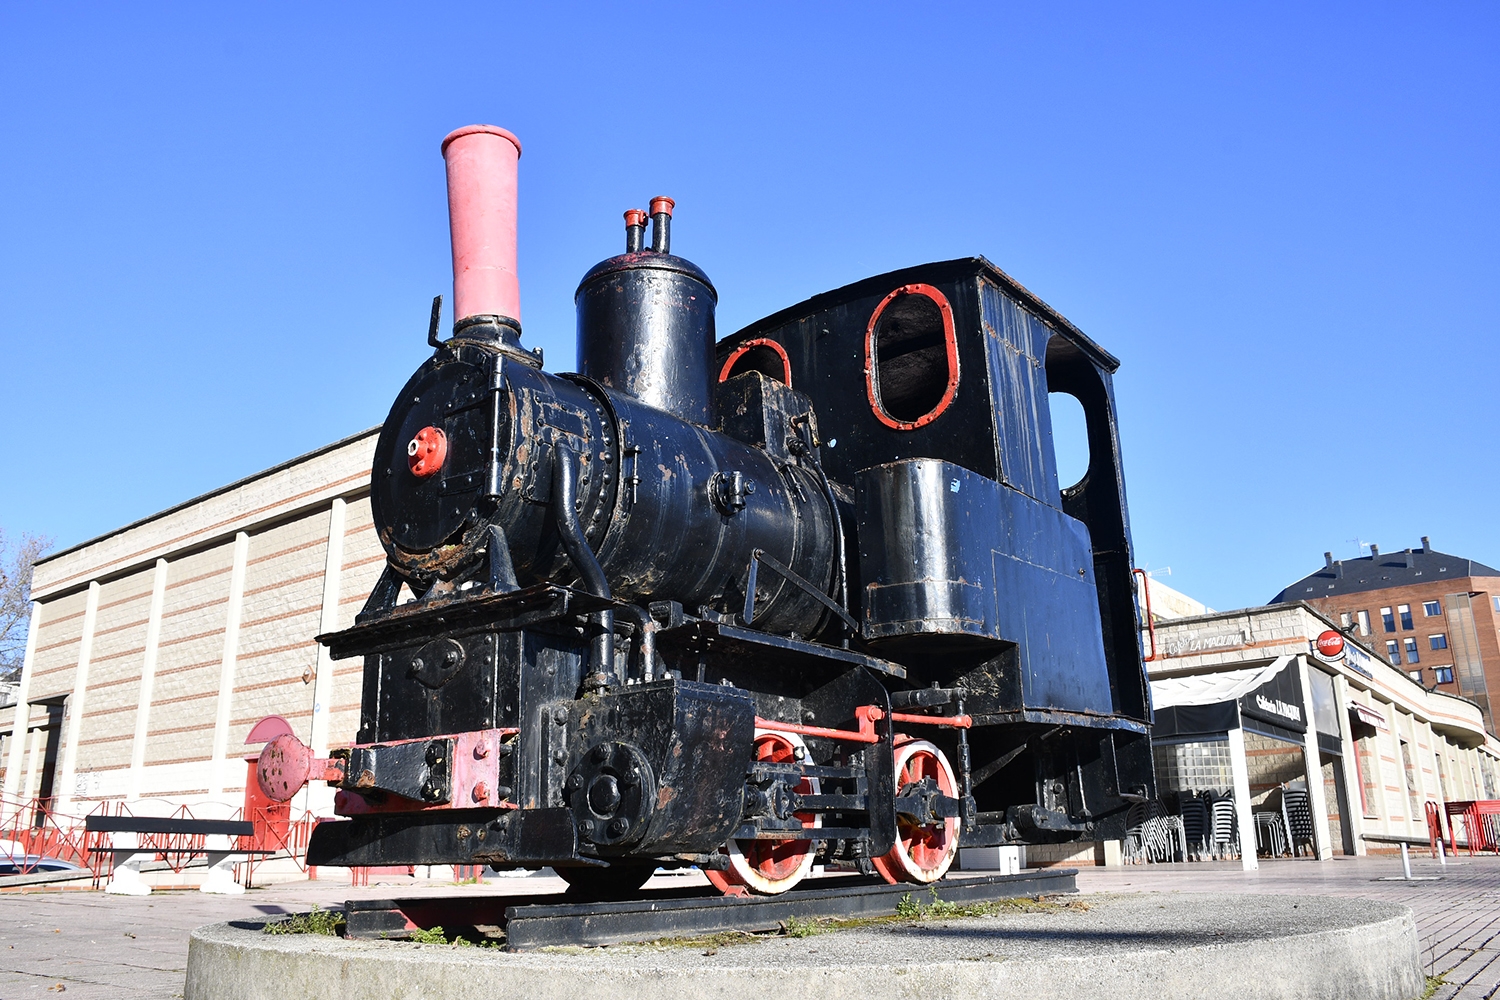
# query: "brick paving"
{"type": "Point", "coordinates": [94, 945]}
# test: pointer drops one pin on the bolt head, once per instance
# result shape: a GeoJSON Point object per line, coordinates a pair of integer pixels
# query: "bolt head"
{"type": "Point", "coordinates": [575, 782]}
{"type": "Point", "coordinates": [601, 752]}
{"type": "Point", "coordinates": [618, 826]}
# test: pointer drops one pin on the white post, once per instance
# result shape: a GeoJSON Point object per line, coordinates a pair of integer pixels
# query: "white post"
{"type": "Point", "coordinates": [148, 681]}
{"type": "Point", "coordinates": [75, 703]}
{"type": "Point", "coordinates": [319, 795]}
{"type": "Point", "coordinates": [34, 769]}
{"type": "Point", "coordinates": [20, 726]}
{"type": "Point", "coordinates": [1240, 770]}
{"type": "Point", "coordinates": [1317, 795]}
{"type": "Point", "coordinates": [226, 670]}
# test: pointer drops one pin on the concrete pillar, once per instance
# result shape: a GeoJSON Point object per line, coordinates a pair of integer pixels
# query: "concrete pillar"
{"type": "Point", "coordinates": [1313, 764]}
{"type": "Point", "coordinates": [33, 786]}
{"type": "Point", "coordinates": [148, 681]}
{"type": "Point", "coordinates": [218, 767]}
{"type": "Point", "coordinates": [319, 799]}
{"type": "Point", "coordinates": [68, 777]}
{"type": "Point", "coordinates": [1353, 788]}
{"type": "Point", "coordinates": [19, 727]}
{"type": "Point", "coordinates": [1240, 770]}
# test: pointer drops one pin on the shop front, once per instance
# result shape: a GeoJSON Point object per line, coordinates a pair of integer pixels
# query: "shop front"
{"type": "Point", "coordinates": [1276, 736]}
{"type": "Point", "coordinates": [1238, 743]}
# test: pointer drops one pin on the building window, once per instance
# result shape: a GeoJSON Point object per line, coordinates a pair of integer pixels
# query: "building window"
{"type": "Point", "coordinates": [1431, 609]}
{"type": "Point", "coordinates": [1497, 602]}
{"type": "Point", "coordinates": [1405, 612]}
{"type": "Point", "coordinates": [1393, 651]}
{"type": "Point", "coordinates": [1413, 798]}
{"type": "Point", "coordinates": [1369, 789]}
{"type": "Point", "coordinates": [1437, 641]}
{"type": "Point", "coordinates": [1411, 650]}
{"type": "Point", "coordinates": [1363, 618]}
{"type": "Point", "coordinates": [1345, 620]}
{"type": "Point", "coordinates": [1415, 675]}
{"type": "Point", "coordinates": [1387, 619]}
{"type": "Point", "coordinates": [1443, 675]}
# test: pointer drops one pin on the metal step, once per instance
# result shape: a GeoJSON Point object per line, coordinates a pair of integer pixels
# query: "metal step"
{"type": "Point", "coordinates": [532, 922]}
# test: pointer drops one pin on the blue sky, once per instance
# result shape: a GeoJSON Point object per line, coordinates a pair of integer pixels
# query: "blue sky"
{"type": "Point", "coordinates": [221, 228]}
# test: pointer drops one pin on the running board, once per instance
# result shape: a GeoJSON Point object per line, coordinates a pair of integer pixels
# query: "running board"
{"type": "Point", "coordinates": [530, 922]}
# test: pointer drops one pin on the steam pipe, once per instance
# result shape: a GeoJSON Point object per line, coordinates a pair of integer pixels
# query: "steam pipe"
{"type": "Point", "coordinates": [661, 223]}
{"type": "Point", "coordinates": [635, 230]}
{"type": "Point", "coordinates": [482, 165]}
{"type": "Point", "coordinates": [591, 574]}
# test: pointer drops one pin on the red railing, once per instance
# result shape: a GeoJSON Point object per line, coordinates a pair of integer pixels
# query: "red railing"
{"type": "Point", "coordinates": [40, 831]}
{"type": "Point", "coordinates": [1481, 823]}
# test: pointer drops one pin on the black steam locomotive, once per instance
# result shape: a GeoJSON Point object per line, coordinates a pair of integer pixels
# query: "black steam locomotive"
{"type": "Point", "coordinates": [807, 595]}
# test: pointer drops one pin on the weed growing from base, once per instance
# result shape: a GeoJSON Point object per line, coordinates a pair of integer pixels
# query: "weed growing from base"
{"type": "Point", "coordinates": [319, 921]}
{"type": "Point", "coordinates": [908, 911]}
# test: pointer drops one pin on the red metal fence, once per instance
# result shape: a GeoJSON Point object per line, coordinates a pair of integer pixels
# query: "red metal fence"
{"type": "Point", "coordinates": [40, 831]}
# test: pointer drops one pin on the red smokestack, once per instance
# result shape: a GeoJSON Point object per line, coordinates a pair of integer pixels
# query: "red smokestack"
{"type": "Point", "coordinates": [482, 161]}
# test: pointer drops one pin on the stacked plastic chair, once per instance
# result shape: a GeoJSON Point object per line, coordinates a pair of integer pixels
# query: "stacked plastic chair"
{"type": "Point", "coordinates": [1296, 809]}
{"type": "Point", "coordinates": [1196, 825]}
{"type": "Point", "coordinates": [1270, 834]}
{"type": "Point", "coordinates": [1224, 836]}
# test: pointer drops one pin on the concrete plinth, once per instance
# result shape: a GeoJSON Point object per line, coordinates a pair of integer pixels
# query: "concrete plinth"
{"type": "Point", "coordinates": [1121, 947]}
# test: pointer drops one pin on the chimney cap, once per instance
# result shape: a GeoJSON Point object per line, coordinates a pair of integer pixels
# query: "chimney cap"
{"type": "Point", "coordinates": [1374, 550]}
{"type": "Point", "coordinates": [1328, 559]}
{"type": "Point", "coordinates": [504, 133]}
{"type": "Point", "coordinates": [1426, 544]}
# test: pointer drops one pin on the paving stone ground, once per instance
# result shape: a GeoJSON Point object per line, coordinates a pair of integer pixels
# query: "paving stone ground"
{"type": "Point", "coordinates": [86, 945]}
{"type": "Point", "coordinates": [1458, 916]}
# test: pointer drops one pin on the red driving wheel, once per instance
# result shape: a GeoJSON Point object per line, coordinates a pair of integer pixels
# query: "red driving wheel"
{"type": "Point", "coordinates": [923, 852]}
{"type": "Point", "coordinates": [768, 867]}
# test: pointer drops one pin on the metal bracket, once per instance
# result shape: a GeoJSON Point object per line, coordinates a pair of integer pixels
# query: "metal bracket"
{"type": "Point", "coordinates": [502, 571]}
{"type": "Point", "coordinates": [795, 579]}
{"type": "Point", "coordinates": [432, 325]}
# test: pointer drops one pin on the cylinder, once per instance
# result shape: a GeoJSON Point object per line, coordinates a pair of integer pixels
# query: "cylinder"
{"type": "Point", "coordinates": [482, 162]}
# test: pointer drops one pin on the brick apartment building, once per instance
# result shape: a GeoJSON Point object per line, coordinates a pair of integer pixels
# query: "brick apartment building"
{"type": "Point", "coordinates": [1434, 614]}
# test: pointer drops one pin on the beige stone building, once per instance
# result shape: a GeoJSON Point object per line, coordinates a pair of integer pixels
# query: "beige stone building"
{"type": "Point", "coordinates": [154, 649]}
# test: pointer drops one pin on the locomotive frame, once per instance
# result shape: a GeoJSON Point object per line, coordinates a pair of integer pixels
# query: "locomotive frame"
{"type": "Point", "coordinates": [808, 595]}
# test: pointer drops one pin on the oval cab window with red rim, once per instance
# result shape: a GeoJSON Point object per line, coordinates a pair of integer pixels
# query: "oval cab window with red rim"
{"type": "Point", "coordinates": [758, 355]}
{"type": "Point", "coordinates": [911, 357]}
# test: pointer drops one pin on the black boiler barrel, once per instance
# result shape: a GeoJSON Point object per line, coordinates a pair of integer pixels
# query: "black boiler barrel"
{"type": "Point", "coordinates": [646, 330]}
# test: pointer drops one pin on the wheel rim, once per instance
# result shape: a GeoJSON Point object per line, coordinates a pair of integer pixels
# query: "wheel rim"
{"type": "Point", "coordinates": [769, 867]}
{"type": "Point", "coordinates": [923, 852]}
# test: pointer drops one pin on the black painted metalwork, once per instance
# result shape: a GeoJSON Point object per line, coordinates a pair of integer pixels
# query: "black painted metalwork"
{"type": "Point", "coordinates": [530, 922]}
{"type": "Point", "coordinates": [610, 595]}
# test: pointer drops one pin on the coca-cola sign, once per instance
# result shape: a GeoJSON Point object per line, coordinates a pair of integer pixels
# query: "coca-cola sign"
{"type": "Point", "coordinates": [1329, 646]}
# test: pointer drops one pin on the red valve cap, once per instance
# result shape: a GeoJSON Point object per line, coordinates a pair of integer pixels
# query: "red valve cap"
{"type": "Point", "coordinates": [426, 452]}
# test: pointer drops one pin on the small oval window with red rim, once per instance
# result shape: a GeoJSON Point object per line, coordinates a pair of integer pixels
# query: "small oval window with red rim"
{"type": "Point", "coordinates": [426, 452]}
{"type": "Point", "coordinates": [758, 355]}
{"type": "Point", "coordinates": [911, 357]}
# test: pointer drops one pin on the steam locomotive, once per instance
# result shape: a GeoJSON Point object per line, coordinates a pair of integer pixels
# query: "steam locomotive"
{"type": "Point", "coordinates": [809, 595]}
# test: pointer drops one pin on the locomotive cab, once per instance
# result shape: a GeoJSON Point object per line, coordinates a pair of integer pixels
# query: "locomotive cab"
{"type": "Point", "coordinates": [976, 571]}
